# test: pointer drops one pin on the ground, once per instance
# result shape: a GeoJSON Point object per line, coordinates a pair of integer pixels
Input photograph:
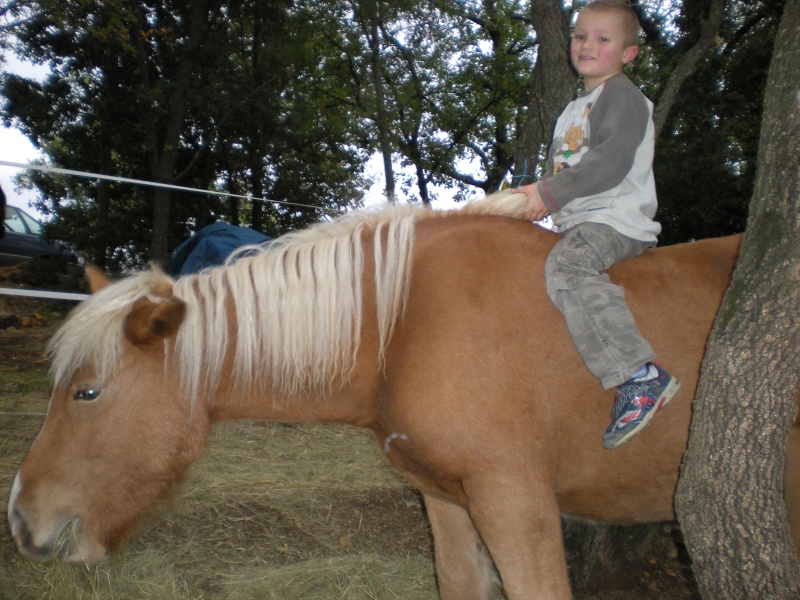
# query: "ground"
{"type": "Point", "coordinates": [284, 512]}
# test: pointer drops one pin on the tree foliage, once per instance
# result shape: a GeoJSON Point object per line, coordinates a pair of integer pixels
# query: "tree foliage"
{"type": "Point", "coordinates": [706, 155]}
{"type": "Point", "coordinates": [189, 93]}
{"type": "Point", "coordinates": [287, 100]}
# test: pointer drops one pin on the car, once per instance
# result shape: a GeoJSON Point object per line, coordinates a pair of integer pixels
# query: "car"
{"type": "Point", "coordinates": [23, 241]}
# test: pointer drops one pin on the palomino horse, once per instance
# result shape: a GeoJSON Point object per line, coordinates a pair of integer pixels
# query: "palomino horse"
{"type": "Point", "coordinates": [432, 329]}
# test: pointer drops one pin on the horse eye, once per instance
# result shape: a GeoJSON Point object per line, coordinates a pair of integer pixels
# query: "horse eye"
{"type": "Point", "coordinates": [86, 394]}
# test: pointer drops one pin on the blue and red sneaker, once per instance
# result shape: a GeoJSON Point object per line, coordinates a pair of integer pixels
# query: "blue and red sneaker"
{"type": "Point", "coordinates": [637, 401]}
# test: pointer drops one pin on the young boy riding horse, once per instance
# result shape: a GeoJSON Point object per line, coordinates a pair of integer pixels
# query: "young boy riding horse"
{"type": "Point", "coordinates": [601, 192]}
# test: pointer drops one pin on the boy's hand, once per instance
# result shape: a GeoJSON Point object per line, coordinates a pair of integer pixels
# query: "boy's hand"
{"type": "Point", "coordinates": [536, 210]}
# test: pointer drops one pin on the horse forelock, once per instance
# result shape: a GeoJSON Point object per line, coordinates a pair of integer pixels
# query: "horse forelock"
{"type": "Point", "coordinates": [297, 304]}
{"type": "Point", "coordinates": [91, 337]}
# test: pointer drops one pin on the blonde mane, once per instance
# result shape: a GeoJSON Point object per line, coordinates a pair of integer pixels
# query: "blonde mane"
{"type": "Point", "coordinates": [298, 305]}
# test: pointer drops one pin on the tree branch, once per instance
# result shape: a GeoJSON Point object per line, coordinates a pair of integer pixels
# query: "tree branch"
{"type": "Point", "coordinates": [688, 64]}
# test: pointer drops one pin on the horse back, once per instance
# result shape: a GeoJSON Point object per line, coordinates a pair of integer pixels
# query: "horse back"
{"type": "Point", "coordinates": [484, 373]}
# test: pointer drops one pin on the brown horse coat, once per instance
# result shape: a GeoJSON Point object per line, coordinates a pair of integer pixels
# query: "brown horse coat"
{"type": "Point", "coordinates": [473, 389]}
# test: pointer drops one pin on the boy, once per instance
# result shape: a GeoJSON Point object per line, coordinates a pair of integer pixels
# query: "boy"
{"type": "Point", "coordinates": [601, 192]}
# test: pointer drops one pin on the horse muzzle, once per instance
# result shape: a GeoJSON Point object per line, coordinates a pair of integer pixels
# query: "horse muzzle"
{"type": "Point", "coordinates": [41, 539]}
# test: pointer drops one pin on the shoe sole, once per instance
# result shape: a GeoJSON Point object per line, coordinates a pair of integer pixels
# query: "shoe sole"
{"type": "Point", "coordinates": [663, 400]}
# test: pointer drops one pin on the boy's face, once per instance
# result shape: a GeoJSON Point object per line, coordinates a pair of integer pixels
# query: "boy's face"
{"type": "Point", "coordinates": [598, 48]}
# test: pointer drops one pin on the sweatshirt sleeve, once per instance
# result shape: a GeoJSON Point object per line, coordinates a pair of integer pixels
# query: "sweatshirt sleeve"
{"type": "Point", "coordinates": [618, 123]}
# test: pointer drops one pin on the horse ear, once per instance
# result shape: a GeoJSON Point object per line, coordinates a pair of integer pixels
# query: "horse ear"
{"type": "Point", "coordinates": [96, 279]}
{"type": "Point", "coordinates": [151, 321]}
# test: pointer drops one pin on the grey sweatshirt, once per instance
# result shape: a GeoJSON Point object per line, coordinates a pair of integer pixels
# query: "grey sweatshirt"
{"type": "Point", "coordinates": [600, 163]}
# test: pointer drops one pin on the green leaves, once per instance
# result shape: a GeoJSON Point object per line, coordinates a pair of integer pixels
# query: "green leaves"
{"type": "Point", "coordinates": [279, 100]}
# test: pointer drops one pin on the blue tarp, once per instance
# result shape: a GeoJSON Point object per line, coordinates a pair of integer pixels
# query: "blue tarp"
{"type": "Point", "coordinates": [211, 246]}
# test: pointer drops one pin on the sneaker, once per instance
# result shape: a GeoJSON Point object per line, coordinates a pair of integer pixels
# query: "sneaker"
{"type": "Point", "coordinates": [637, 401]}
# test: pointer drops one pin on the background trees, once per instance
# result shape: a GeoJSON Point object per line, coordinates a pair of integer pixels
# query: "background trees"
{"type": "Point", "coordinates": [189, 93]}
{"type": "Point", "coordinates": [287, 101]}
{"type": "Point", "coordinates": [706, 154]}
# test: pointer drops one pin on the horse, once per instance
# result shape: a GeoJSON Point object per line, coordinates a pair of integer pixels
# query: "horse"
{"type": "Point", "coordinates": [432, 329]}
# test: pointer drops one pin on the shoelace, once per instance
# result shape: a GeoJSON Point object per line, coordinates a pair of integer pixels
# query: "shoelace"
{"type": "Point", "coordinates": [628, 392]}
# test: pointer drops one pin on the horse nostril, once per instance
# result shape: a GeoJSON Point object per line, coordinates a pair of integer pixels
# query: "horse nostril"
{"type": "Point", "coordinates": [23, 537]}
{"type": "Point", "coordinates": [20, 530]}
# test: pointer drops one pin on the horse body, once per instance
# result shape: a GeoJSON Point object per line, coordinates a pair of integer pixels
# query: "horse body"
{"type": "Point", "coordinates": [483, 355]}
{"type": "Point", "coordinates": [466, 375]}
{"type": "Point", "coordinates": [500, 414]}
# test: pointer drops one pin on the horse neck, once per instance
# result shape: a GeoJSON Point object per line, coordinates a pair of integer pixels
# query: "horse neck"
{"type": "Point", "coordinates": [351, 400]}
{"type": "Point", "coordinates": [346, 396]}
{"type": "Point", "coordinates": [302, 328]}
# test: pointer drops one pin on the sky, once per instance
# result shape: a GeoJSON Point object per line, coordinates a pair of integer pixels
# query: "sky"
{"type": "Point", "coordinates": [14, 146]}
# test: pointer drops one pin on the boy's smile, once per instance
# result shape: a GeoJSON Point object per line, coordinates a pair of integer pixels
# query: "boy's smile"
{"type": "Point", "coordinates": [598, 48]}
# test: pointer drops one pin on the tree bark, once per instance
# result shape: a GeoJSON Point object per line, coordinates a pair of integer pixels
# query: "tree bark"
{"type": "Point", "coordinates": [729, 499]}
{"type": "Point", "coordinates": [553, 85]}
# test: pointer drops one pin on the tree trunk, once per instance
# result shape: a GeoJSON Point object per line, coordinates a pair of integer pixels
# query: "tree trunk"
{"type": "Point", "coordinates": [372, 8]}
{"type": "Point", "coordinates": [163, 144]}
{"type": "Point", "coordinates": [729, 499]}
{"type": "Point", "coordinates": [159, 246]}
{"type": "Point", "coordinates": [255, 159]}
{"type": "Point", "coordinates": [103, 203]}
{"type": "Point", "coordinates": [553, 86]}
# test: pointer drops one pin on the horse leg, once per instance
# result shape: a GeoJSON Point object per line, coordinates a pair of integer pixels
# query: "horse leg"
{"type": "Point", "coordinates": [463, 567]}
{"type": "Point", "coordinates": [521, 527]}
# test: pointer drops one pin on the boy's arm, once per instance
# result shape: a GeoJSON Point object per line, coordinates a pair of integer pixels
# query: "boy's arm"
{"type": "Point", "coordinates": [618, 123]}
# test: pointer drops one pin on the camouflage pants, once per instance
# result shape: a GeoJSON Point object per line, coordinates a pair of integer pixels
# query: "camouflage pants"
{"type": "Point", "coordinates": [597, 317]}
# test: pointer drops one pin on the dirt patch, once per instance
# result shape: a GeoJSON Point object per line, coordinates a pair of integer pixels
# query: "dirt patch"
{"type": "Point", "coordinates": [28, 325]}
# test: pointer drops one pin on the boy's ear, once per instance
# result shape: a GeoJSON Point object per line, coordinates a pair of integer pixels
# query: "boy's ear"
{"type": "Point", "coordinates": [629, 54]}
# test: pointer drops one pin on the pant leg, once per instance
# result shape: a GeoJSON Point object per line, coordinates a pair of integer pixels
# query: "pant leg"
{"type": "Point", "coordinates": [598, 319]}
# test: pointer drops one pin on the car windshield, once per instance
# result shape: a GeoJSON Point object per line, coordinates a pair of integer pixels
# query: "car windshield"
{"type": "Point", "coordinates": [20, 222]}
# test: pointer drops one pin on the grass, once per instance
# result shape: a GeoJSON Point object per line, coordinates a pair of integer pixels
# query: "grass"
{"type": "Point", "coordinates": [270, 511]}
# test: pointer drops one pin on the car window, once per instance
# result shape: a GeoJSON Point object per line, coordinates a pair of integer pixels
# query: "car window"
{"type": "Point", "coordinates": [18, 221]}
{"type": "Point", "coordinates": [13, 221]}
{"type": "Point", "coordinates": [31, 223]}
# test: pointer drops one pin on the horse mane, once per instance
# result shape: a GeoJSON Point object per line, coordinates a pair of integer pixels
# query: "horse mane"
{"type": "Point", "coordinates": [298, 304]}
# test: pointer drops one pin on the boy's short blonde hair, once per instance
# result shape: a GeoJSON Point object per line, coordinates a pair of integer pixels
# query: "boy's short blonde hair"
{"type": "Point", "coordinates": [630, 22]}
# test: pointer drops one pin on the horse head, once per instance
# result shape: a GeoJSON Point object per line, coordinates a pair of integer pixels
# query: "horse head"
{"type": "Point", "coordinates": [118, 432]}
{"type": "Point", "coordinates": [143, 366]}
